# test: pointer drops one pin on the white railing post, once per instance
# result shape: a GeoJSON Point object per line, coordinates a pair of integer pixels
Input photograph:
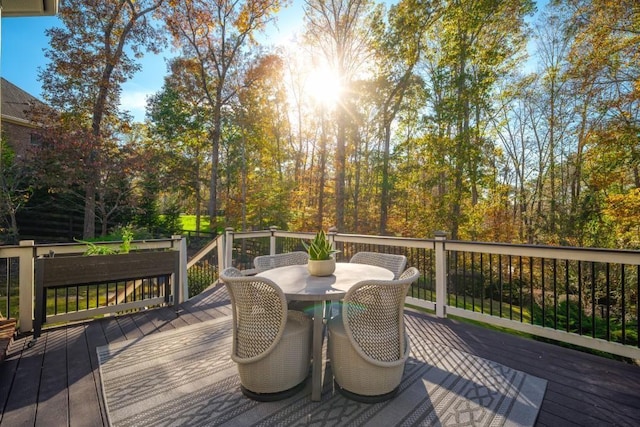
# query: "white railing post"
{"type": "Point", "coordinates": [27, 283]}
{"type": "Point", "coordinates": [331, 235]}
{"type": "Point", "coordinates": [228, 251]}
{"type": "Point", "coordinates": [182, 290]}
{"type": "Point", "coordinates": [272, 240]}
{"type": "Point", "coordinates": [441, 274]}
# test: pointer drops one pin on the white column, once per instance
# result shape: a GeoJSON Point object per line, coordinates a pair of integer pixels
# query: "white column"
{"type": "Point", "coordinates": [27, 283]}
{"type": "Point", "coordinates": [441, 274]}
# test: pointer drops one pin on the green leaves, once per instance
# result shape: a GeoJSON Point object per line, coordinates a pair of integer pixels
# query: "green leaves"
{"type": "Point", "coordinates": [319, 248]}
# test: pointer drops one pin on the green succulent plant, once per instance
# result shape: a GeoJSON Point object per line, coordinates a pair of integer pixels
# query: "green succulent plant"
{"type": "Point", "coordinates": [319, 248]}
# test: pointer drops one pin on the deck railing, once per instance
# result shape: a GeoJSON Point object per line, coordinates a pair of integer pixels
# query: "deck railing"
{"type": "Point", "coordinates": [585, 297]}
{"type": "Point", "coordinates": [580, 296]}
{"type": "Point", "coordinates": [58, 300]}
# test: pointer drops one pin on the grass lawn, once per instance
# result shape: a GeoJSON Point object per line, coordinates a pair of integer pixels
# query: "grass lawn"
{"type": "Point", "coordinates": [189, 223]}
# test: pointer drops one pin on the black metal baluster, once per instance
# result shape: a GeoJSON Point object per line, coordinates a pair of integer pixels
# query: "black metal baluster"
{"type": "Point", "coordinates": [608, 277]}
{"type": "Point", "coordinates": [482, 284]}
{"type": "Point", "coordinates": [593, 300]}
{"type": "Point", "coordinates": [531, 296]}
{"type": "Point", "coordinates": [464, 280]}
{"type": "Point", "coordinates": [580, 328]}
{"type": "Point", "coordinates": [623, 307]}
{"type": "Point", "coordinates": [555, 293]}
{"type": "Point", "coordinates": [510, 288]}
{"type": "Point", "coordinates": [500, 283]}
{"type": "Point", "coordinates": [566, 287]}
{"type": "Point", "coordinates": [491, 293]}
{"type": "Point", "coordinates": [543, 284]}
{"type": "Point", "coordinates": [521, 290]}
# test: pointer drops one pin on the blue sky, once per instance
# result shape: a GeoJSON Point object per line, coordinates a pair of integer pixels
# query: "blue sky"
{"type": "Point", "coordinates": [24, 41]}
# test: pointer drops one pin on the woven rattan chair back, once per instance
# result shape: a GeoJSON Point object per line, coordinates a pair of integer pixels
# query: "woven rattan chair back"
{"type": "Point", "coordinates": [267, 262]}
{"type": "Point", "coordinates": [395, 263]}
{"type": "Point", "coordinates": [259, 313]}
{"type": "Point", "coordinates": [373, 316]}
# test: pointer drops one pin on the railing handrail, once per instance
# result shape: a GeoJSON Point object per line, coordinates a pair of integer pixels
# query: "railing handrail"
{"type": "Point", "coordinates": [623, 256]}
{"type": "Point", "coordinates": [205, 250]}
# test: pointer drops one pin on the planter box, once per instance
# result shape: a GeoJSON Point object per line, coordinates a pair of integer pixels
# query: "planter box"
{"type": "Point", "coordinates": [72, 271]}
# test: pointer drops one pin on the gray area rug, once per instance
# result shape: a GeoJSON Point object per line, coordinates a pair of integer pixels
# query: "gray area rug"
{"type": "Point", "coordinates": [185, 377]}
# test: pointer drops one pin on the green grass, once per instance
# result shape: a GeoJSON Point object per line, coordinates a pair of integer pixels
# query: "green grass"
{"type": "Point", "coordinates": [189, 223]}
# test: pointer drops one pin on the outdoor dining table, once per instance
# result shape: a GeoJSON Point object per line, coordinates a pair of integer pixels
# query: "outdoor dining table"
{"type": "Point", "coordinates": [298, 285]}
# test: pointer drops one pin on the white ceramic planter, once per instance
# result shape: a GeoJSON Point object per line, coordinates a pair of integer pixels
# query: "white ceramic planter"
{"type": "Point", "coordinates": [322, 267]}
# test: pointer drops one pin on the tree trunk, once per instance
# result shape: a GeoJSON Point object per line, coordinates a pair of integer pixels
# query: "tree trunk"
{"type": "Point", "coordinates": [215, 147]}
{"type": "Point", "coordinates": [340, 167]}
{"type": "Point", "coordinates": [384, 194]}
{"type": "Point", "coordinates": [89, 231]}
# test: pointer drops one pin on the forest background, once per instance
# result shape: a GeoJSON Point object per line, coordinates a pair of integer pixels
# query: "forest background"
{"type": "Point", "coordinates": [398, 119]}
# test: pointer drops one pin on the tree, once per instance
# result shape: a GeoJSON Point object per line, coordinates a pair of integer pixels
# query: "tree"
{"type": "Point", "coordinates": [216, 36]}
{"type": "Point", "coordinates": [479, 41]}
{"type": "Point", "coordinates": [179, 127]}
{"type": "Point", "coordinates": [15, 191]}
{"type": "Point", "coordinates": [339, 32]}
{"type": "Point", "coordinates": [398, 48]}
{"type": "Point", "coordinates": [263, 129]}
{"type": "Point", "coordinates": [90, 57]}
{"type": "Point", "coordinates": [603, 69]}
{"type": "Point", "coordinates": [69, 158]}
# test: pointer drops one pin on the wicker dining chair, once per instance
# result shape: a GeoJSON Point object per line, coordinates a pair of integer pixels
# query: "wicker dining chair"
{"type": "Point", "coordinates": [367, 343]}
{"type": "Point", "coordinates": [271, 344]}
{"type": "Point", "coordinates": [267, 262]}
{"type": "Point", "coordinates": [393, 262]}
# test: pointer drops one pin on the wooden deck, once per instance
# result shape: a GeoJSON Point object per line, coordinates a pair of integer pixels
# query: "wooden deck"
{"type": "Point", "coordinates": [57, 383]}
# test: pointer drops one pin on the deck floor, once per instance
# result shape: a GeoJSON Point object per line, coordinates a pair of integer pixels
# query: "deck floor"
{"type": "Point", "coordinates": [56, 382]}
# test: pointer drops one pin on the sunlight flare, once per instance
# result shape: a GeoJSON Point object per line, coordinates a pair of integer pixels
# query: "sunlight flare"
{"type": "Point", "coordinates": [324, 86]}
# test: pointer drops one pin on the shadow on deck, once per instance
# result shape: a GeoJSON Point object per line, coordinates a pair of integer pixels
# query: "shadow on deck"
{"type": "Point", "coordinates": [57, 382]}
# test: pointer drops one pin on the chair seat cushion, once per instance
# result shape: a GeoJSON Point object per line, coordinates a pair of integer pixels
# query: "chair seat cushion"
{"type": "Point", "coordinates": [287, 365]}
{"type": "Point", "coordinates": [357, 374]}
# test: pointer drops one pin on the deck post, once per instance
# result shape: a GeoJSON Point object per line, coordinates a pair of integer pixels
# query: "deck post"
{"type": "Point", "coordinates": [181, 289]}
{"type": "Point", "coordinates": [441, 274]}
{"type": "Point", "coordinates": [27, 283]}
{"type": "Point", "coordinates": [228, 244]}
{"type": "Point", "coordinates": [272, 240]}
{"type": "Point", "coordinates": [331, 235]}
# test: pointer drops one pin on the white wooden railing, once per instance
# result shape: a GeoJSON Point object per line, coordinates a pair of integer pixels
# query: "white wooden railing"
{"type": "Point", "coordinates": [27, 252]}
{"type": "Point", "coordinates": [498, 284]}
{"type": "Point", "coordinates": [569, 272]}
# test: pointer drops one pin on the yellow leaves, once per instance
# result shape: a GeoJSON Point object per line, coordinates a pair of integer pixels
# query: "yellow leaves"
{"type": "Point", "coordinates": [254, 14]}
{"type": "Point", "coordinates": [623, 210]}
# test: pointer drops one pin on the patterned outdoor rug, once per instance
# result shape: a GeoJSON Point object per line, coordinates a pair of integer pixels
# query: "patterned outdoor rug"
{"type": "Point", "coordinates": [185, 377]}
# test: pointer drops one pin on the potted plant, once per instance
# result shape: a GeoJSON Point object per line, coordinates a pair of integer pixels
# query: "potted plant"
{"type": "Point", "coordinates": [321, 259]}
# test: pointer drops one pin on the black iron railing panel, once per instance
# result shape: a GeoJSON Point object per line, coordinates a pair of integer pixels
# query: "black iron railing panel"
{"type": "Point", "coordinates": [245, 250]}
{"type": "Point", "coordinates": [69, 299]}
{"type": "Point", "coordinates": [9, 287]}
{"type": "Point", "coordinates": [596, 299]}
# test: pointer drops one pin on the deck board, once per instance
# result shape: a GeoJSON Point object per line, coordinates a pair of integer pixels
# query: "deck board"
{"type": "Point", "coordinates": [57, 382]}
{"type": "Point", "coordinates": [84, 401]}
{"type": "Point", "coordinates": [53, 393]}
{"type": "Point", "coordinates": [583, 389]}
